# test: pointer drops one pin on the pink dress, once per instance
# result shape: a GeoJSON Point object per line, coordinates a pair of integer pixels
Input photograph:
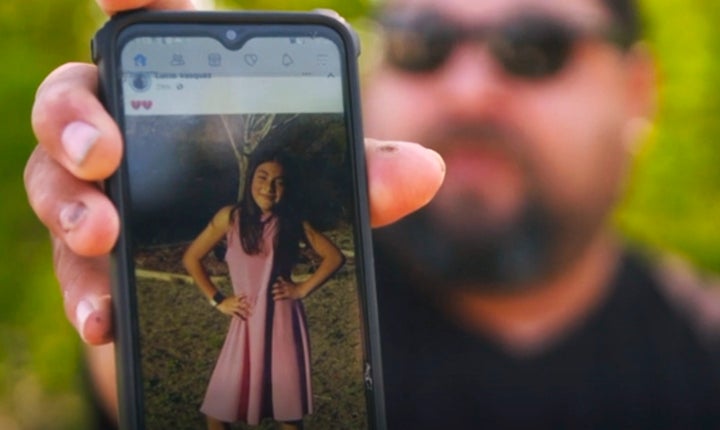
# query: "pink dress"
{"type": "Point", "coordinates": [264, 366]}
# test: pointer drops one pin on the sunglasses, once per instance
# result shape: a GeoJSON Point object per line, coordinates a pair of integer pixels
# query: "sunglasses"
{"type": "Point", "coordinates": [528, 46]}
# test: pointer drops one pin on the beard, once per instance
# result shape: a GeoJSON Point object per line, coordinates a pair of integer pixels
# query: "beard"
{"type": "Point", "coordinates": [456, 242]}
{"type": "Point", "coordinates": [491, 259]}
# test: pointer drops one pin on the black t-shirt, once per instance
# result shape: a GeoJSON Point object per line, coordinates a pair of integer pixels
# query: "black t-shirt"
{"type": "Point", "coordinates": [637, 361]}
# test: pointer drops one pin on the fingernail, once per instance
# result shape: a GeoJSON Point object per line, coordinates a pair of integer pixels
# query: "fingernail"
{"type": "Point", "coordinates": [71, 215]}
{"type": "Point", "coordinates": [83, 311]}
{"type": "Point", "coordinates": [439, 159]}
{"type": "Point", "coordinates": [77, 139]}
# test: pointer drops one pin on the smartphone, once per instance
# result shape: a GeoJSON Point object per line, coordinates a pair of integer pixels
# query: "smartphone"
{"type": "Point", "coordinates": [242, 279]}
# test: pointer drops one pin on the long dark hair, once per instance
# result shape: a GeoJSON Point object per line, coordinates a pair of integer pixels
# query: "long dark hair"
{"type": "Point", "coordinates": [251, 225]}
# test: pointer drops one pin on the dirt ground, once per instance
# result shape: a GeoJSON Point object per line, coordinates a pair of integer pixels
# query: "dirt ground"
{"type": "Point", "coordinates": [181, 336]}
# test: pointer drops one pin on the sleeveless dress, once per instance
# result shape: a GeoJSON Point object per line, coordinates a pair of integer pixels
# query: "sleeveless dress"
{"type": "Point", "coordinates": [264, 366]}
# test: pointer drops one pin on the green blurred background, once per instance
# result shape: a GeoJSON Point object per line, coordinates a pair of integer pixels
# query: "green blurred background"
{"type": "Point", "coordinates": [673, 201]}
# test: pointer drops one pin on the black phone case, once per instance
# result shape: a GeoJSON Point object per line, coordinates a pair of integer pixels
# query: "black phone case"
{"type": "Point", "coordinates": [105, 54]}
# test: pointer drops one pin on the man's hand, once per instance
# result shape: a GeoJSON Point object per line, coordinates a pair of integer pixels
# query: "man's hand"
{"type": "Point", "coordinates": [79, 144]}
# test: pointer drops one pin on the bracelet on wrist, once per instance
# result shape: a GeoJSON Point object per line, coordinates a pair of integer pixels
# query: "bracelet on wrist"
{"type": "Point", "coordinates": [217, 298]}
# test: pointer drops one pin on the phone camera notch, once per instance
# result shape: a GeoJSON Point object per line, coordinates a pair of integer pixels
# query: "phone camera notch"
{"type": "Point", "coordinates": [231, 35]}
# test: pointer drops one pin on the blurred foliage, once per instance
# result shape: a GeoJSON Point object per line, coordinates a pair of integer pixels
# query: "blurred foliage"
{"type": "Point", "coordinates": [40, 373]}
{"type": "Point", "coordinates": [350, 9]}
{"type": "Point", "coordinates": [673, 201]}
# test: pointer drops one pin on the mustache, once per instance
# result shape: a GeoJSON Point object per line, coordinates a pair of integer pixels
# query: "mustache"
{"type": "Point", "coordinates": [482, 134]}
{"type": "Point", "coordinates": [488, 129]}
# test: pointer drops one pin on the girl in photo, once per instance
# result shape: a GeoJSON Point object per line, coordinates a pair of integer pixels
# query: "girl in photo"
{"type": "Point", "coordinates": [264, 366]}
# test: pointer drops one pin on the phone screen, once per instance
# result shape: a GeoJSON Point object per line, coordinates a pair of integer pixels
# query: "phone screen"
{"type": "Point", "coordinates": [239, 148]}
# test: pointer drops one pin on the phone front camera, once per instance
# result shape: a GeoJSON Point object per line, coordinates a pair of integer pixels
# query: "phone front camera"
{"type": "Point", "coordinates": [231, 35]}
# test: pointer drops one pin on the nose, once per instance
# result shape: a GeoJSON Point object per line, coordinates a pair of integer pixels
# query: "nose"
{"type": "Point", "coordinates": [470, 80]}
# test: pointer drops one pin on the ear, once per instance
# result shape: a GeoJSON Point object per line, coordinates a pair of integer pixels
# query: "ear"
{"type": "Point", "coordinates": [641, 96]}
{"type": "Point", "coordinates": [641, 83]}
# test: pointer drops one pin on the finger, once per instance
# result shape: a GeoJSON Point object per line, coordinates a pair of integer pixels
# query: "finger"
{"type": "Point", "coordinates": [85, 284]}
{"type": "Point", "coordinates": [238, 303]}
{"type": "Point", "coordinates": [243, 306]}
{"type": "Point", "coordinates": [278, 285]}
{"type": "Point", "coordinates": [72, 126]}
{"type": "Point", "coordinates": [403, 177]}
{"type": "Point", "coordinates": [241, 314]}
{"type": "Point", "coordinates": [74, 211]}
{"type": "Point", "coordinates": [101, 364]}
{"type": "Point", "coordinates": [112, 7]}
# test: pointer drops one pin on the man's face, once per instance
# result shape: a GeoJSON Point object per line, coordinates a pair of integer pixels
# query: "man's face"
{"type": "Point", "coordinates": [522, 154]}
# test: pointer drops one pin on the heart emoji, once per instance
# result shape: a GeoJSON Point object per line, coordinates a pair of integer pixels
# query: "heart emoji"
{"type": "Point", "coordinates": [147, 104]}
{"type": "Point", "coordinates": [135, 104]}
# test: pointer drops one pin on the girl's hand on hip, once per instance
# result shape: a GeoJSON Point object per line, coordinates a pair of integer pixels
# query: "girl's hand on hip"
{"type": "Point", "coordinates": [286, 290]}
{"type": "Point", "coordinates": [235, 306]}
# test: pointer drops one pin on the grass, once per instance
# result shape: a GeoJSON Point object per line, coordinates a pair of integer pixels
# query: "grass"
{"type": "Point", "coordinates": [181, 336]}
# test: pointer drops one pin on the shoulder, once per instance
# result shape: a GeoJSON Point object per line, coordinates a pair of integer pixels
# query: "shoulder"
{"type": "Point", "coordinates": [223, 217]}
{"type": "Point", "coordinates": [308, 228]}
{"type": "Point", "coordinates": [311, 233]}
{"type": "Point", "coordinates": [693, 295]}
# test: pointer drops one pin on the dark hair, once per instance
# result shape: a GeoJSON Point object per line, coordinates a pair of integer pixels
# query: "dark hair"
{"type": "Point", "coordinates": [626, 17]}
{"type": "Point", "coordinates": [251, 225]}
